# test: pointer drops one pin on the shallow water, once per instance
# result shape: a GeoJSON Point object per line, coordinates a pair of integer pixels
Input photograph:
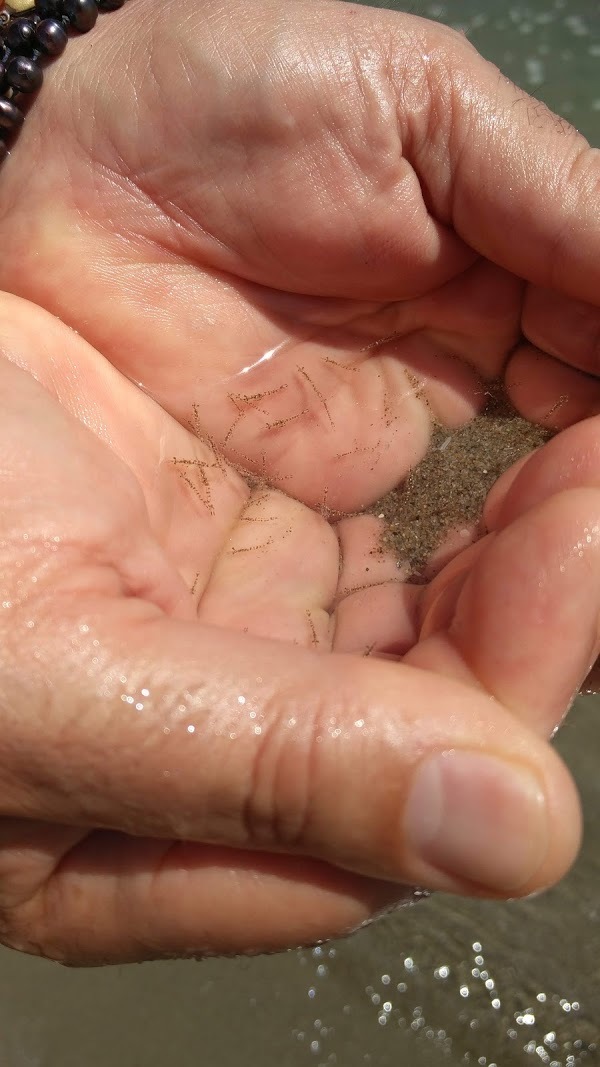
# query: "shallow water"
{"type": "Point", "coordinates": [449, 981]}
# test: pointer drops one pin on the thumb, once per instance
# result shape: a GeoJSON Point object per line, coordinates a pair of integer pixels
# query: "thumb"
{"type": "Point", "coordinates": [173, 729]}
{"type": "Point", "coordinates": [517, 182]}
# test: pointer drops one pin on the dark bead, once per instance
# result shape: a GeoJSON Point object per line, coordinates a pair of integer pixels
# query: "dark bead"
{"type": "Point", "coordinates": [110, 5]}
{"type": "Point", "coordinates": [10, 116]}
{"type": "Point", "coordinates": [51, 37]}
{"type": "Point", "coordinates": [19, 35]}
{"type": "Point", "coordinates": [82, 14]}
{"type": "Point", "coordinates": [49, 9]}
{"type": "Point", "coordinates": [24, 74]}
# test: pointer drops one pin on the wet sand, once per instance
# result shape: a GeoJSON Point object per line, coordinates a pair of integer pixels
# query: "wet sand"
{"type": "Point", "coordinates": [448, 488]}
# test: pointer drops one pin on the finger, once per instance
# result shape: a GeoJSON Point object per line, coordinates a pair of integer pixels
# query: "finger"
{"type": "Point", "coordinates": [569, 461]}
{"type": "Point", "coordinates": [549, 392]}
{"type": "Point", "coordinates": [171, 729]}
{"type": "Point", "coordinates": [511, 167]}
{"type": "Point", "coordinates": [378, 620]}
{"type": "Point", "coordinates": [591, 682]}
{"type": "Point", "coordinates": [104, 897]}
{"type": "Point", "coordinates": [475, 317]}
{"type": "Point", "coordinates": [525, 620]}
{"type": "Point", "coordinates": [277, 573]}
{"type": "Point", "coordinates": [565, 328]}
{"type": "Point", "coordinates": [376, 610]}
{"type": "Point", "coordinates": [364, 560]}
{"type": "Point", "coordinates": [438, 604]}
{"type": "Point", "coordinates": [499, 491]}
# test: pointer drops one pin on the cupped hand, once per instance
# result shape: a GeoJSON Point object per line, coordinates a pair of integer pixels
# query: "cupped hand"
{"type": "Point", "coordinates": [294, 237]}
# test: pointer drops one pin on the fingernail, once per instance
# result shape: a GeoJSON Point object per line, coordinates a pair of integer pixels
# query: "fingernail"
{"type": "Point", "coordinates": [478, 818]}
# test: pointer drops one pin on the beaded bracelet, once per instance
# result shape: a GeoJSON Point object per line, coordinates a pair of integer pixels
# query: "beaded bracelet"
{"type": "Point", "coordinates": [32, 31]}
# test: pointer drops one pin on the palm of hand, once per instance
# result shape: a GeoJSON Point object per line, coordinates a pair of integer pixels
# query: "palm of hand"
{"type": "Point", "coordinates": [190, 280]}
{"type": "Point", "coordinates": [190, 277]}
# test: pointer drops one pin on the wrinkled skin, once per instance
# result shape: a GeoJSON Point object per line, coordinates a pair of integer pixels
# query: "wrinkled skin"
{"type": "Point", "coordinates": [278, 239]}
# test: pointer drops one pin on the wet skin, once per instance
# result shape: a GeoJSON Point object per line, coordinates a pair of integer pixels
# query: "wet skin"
{"type": "Point", "coordinates": [244, 284]}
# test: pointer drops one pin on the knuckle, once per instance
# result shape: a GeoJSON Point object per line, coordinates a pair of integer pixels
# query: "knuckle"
{"type": "Point", "coordinates": [277, 809]}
